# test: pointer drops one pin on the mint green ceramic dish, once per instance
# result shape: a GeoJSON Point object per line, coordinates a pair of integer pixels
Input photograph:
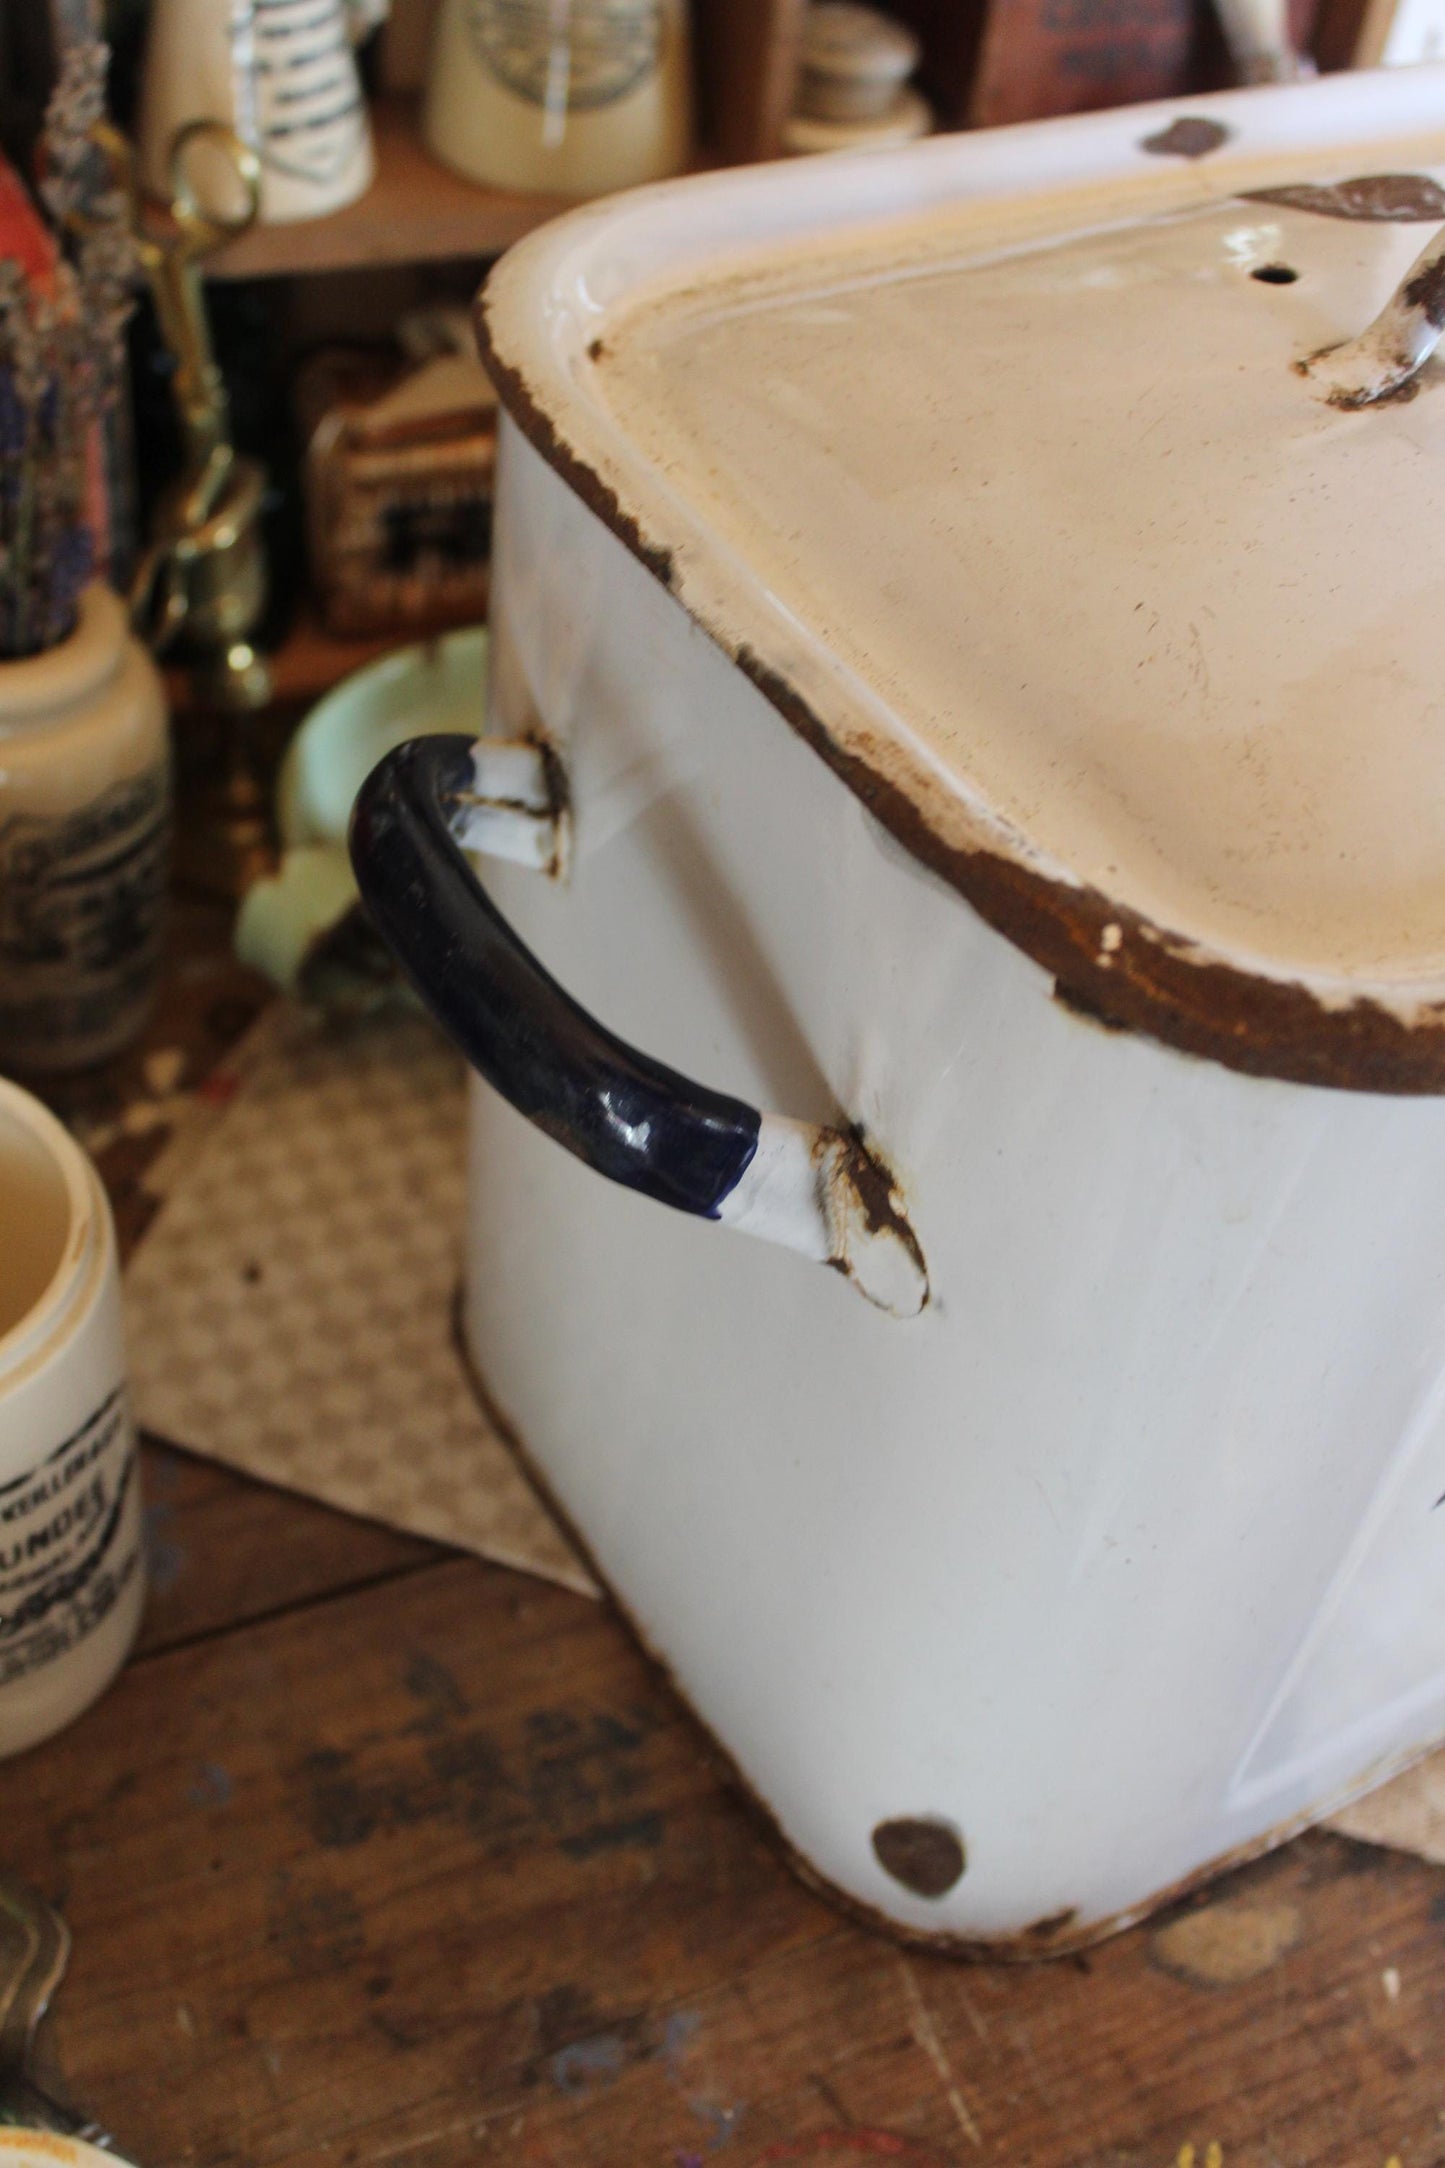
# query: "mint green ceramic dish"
{"type": "Point", "coordinates": [300, 927]}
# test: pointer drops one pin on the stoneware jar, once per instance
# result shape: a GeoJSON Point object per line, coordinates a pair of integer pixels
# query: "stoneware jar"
{"type": "Point", "coordinates": [84, 833]}
{"type": "Point", "coordinates": [973, 616]}
{"type": "Point", "coordinates": [578, 100]}
{"type": "Point", "coordinates": [283, 76]}
{"type": "Point", "coordinates": [854, 62]}
{"type": "Point", "coordinates": [71, 1573]}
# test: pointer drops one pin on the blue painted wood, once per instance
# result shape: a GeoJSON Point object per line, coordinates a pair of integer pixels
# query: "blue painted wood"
{"type": "Point", "coordinates": [629, 1117]}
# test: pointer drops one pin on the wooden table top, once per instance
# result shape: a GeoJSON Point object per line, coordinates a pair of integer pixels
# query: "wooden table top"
{"type": "Point", "coordinates": [376, 1854]}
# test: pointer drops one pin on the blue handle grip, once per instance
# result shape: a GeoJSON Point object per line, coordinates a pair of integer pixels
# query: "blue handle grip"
{"type": "Point", "coordinates": [629, 1117]}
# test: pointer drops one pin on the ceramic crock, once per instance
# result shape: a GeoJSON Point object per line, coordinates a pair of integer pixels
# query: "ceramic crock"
{"type": "Point", "coordinates": [573, 100]}
{"type": "Point", "coordinates": [283, 76]}
{"type": "Point", "coordinates": [85, 802]}
{"type": "Point", "coordinates": [967, 684]}
{"type": "Point", "coordinates": [72, 1576]}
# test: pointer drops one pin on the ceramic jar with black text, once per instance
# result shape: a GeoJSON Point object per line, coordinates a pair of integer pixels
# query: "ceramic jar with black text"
{"type": "Point", "coordinates": [84, 828]}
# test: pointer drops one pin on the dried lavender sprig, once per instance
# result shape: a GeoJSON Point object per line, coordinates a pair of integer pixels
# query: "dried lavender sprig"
{"type": "Point", "coordinates": [61, 365]}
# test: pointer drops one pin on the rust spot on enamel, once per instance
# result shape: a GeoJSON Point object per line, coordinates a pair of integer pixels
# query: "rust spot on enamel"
{"type": "Point", "coordinates": [1080, 1005]}
{"type": "Point", "coordinates": [1373, 197]}
{"type": "Point", "coordinates": [1190, 137]}
{"type": "Point", "coordinates": [924, 1854]}
{"type": "Point", "coordinates": [516, 396]}
{"type": "Point", "coordinates": [1050, 1929]}
{"type": "Point", "coordinates": [875, 1187]}
{"type": "Point", "coordinates": [1426, 292]}
{"type": "Point", "coordinates": [1399, 394]}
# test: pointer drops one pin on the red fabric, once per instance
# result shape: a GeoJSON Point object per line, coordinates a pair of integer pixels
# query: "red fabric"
{"type": "Point", "coordinates": [24, 236]}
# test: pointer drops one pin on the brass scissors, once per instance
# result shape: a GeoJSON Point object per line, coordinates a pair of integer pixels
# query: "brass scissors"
{"type": "Point", "coordinates": [217, 496]}
{"type": "Point", "coordinates": [171, 240]}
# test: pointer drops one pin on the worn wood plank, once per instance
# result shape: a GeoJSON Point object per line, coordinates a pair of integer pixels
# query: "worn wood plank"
{"type": "Point", "coordinates": [439, 1871]}
{"type": "Point", "coordinates": [224, 1550]}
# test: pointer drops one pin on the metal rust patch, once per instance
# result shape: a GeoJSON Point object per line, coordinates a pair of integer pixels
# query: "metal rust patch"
{"type": "Point", "coordinates": [925, 1854]}
{"type": "Point", "coordinates": [1426, 292]}
{"type": "Point", "coordinates": [1376, 198]}
{"type": "Point", "coordinates": [1049, 1930]}
{"type": "Point", "coordinates": [1190, 137]}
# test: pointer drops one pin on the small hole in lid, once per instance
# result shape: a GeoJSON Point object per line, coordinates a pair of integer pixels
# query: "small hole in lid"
{"type": "Point", "coordinates": [1275, 274]}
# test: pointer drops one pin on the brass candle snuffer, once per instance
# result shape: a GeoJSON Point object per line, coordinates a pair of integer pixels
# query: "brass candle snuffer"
{"type": "Point", "coordinates": [204, 570]}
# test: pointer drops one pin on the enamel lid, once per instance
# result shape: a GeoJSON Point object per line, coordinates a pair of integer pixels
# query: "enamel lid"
{"type": "Point", "coordinates": [993, 463]}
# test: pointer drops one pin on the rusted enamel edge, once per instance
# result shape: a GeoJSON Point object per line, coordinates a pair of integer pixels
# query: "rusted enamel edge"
{"type": "Point", "coordinates": [1107, 958]}
{"type": "Point", "coordinates": [1061, 1933]}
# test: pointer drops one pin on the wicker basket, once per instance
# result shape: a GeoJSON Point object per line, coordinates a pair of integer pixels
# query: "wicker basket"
{"type": "Point", "coordinates": [399, 472]}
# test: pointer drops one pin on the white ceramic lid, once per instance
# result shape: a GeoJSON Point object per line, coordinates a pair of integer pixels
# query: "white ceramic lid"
{"type": "Point", "coordinates": [992, 462]}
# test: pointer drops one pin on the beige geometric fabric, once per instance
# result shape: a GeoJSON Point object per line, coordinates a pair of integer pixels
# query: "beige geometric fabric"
{"type": "Point", "coordinates": [290, 1310]}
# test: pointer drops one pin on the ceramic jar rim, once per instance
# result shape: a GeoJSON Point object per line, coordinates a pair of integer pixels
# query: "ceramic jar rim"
{"type": "Point", "coordinates": [35, 687]}
{"type": "Point", "coordinates": [29, 1336]}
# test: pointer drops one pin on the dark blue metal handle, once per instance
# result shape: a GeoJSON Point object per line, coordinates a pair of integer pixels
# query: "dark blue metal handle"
{"type": "Point", "coordinates": [629, 1117]}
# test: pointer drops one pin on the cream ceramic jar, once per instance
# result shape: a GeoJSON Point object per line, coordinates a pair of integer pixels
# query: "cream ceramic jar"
{"type": "Point", "coordinates": [578, 100]}
{"type": "Point", "coordinates": [84, 830]}
{"type": "Point", "coordinates": [282, 75]}
{"type": "Point", "coordinates": [72, 1579]}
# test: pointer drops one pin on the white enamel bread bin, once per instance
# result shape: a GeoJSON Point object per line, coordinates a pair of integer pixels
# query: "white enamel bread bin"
{"type": "Point", "coordinates": [969, 680]}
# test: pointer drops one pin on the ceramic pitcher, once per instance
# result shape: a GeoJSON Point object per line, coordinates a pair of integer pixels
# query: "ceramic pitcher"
{"type": "Point", "coordinates": [282, 73]}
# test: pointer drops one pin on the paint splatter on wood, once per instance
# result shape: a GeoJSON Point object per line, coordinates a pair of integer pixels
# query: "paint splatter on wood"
{"type": "Point", "coordinates": [1226, 1944]}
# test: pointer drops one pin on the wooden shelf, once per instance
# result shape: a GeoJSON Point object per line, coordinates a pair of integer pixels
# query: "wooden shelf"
{"type": "Point", "coordinates": [415, 211]}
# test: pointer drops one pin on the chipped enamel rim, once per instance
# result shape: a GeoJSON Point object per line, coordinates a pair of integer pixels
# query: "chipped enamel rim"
{"type": "Point", "coordinates": [543, 318]}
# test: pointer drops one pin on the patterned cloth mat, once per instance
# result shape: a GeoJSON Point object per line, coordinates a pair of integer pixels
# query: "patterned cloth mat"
{"type": "Point", "coordinates": [290, 1310]}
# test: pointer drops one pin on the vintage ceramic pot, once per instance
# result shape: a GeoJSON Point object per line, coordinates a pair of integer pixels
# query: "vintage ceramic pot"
{"type": "Point", "coordinates": [282, 75]}
{"type": "Point", "coordinates": [72, 1571]}
{"type": "Point", "coordinates": [574, 100]}
{"type": "Point", "coordinates": [85, 802]}
{"type": "Point", "coordinates": [974, 683]}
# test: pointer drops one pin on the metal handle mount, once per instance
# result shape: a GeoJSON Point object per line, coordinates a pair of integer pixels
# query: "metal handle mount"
{"type": "Point", "coordinates": [1383, 362]}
